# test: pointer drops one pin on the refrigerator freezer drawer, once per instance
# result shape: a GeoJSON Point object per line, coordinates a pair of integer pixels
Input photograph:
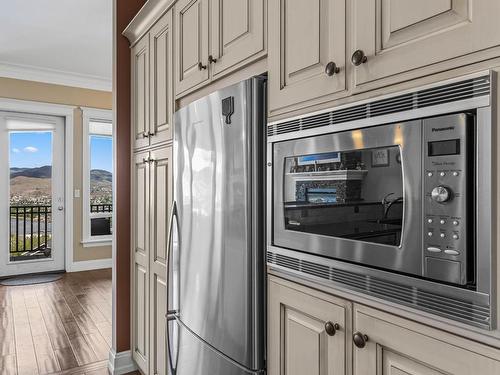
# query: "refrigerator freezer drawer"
{"type": "Point", "coordinates": [191, 356]}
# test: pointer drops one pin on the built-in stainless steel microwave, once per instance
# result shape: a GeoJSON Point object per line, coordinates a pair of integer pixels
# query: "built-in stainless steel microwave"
{"type": "Point", "coordinates": [400, 185]}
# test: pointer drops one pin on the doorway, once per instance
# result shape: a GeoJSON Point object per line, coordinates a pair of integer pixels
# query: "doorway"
{"type": "Point", "coordinates": [32, 220]}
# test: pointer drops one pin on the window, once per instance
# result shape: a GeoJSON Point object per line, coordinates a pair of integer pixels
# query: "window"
{"type": "Point", "coordinates": [97, 177]}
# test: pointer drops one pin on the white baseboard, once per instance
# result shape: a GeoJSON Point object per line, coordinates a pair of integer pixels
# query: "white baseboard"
{"type": "Point", "coordinates": [87, 265]}
{"type": "Point", "coordinates": [121, 363]}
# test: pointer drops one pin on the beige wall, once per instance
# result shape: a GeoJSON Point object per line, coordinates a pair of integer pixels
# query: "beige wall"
{"type": "Point", "coordinates": [57, 94]}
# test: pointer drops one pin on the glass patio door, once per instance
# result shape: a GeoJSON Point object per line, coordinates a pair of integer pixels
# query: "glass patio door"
{"type": "Point", "coordinates": [31, 193]}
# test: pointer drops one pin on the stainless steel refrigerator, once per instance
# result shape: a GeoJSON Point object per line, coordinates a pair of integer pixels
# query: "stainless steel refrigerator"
{"type": "Point", "coordinates": [216, 273]}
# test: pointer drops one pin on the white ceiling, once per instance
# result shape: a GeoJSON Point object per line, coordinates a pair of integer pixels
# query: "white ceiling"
{"type": "Point", "coordinates": [57, 41]}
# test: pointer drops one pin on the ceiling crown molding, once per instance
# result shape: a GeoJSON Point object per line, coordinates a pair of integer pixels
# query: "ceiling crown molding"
{"type": "Point", "coordinates": [145, 18]}
{"type": "Point", "coordinates": [57, 77]}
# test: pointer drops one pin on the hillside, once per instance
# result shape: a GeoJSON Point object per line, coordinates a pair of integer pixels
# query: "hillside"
{"type": "Point", "coordinates": [40, 172]}
{"type": "Point", "coordinates": [99, 175]}
{"type": "Point", "coordinates": [33, 185]}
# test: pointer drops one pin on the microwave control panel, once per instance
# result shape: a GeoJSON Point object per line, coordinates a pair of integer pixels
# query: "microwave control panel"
{"type": "Point", "coordinates": [445, 196]}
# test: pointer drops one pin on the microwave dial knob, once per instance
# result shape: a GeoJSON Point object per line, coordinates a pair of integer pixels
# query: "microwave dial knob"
{"type": "Point", "coordinates": [441, 194]}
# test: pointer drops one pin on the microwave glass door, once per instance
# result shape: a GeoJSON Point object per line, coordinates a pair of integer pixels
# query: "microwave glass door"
{"type": "Point", "coordinates": [356, 194]}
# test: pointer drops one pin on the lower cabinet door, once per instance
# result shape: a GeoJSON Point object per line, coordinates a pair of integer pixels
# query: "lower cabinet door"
{"type": "Point", "coordinates": [160, 203]}
{"type": "Point", "coordinates": [306, 332]}
{"type": "Point", "coordinates": [388, 345]}
{"type": "Point", "coordinates": [140, 260]}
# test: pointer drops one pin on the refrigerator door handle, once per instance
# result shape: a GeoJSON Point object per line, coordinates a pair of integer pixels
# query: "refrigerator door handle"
{"type": "Point", "coordinates": [171, 314]}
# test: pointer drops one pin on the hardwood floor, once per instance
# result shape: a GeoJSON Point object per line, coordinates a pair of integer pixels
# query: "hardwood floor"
{"type": "Point", "coordinates": [62, 327]}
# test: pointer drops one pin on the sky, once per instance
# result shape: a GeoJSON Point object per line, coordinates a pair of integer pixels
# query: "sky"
{"type": "Point", "coordinates": [30, 149]}
{"type": "Point", "coordinates": [101, 153]}
{"type": "Point", "coordinates": [34, 149]}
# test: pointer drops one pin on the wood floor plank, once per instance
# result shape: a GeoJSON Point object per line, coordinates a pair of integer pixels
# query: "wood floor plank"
{"type": "Point", "coordinates": [106, 331]}
{"type": "Point", "coordinates": [66, 358]}
{"type": "Point", "coordinates": [83, 352]}
{"type": "Point", "coordinates": [45, 356]}
{"type": "Point", "coordinates": [98, 345]}
{"type": "Point", "coordinates": [8, 365]}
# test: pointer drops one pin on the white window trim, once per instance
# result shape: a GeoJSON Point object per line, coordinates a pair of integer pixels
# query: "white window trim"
{"type": "Point", "coordinates": [91, 114]}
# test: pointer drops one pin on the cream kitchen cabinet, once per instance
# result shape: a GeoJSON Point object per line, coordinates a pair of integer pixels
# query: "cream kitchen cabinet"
{"type": "Point", "coordinates": [191, 54]}
{"type": "Point", "coordinates": [308, 333]}
{"type": "Point", "coordinates": [152, 85]}
{"type": "Point", "coordinates": [161, 197]}
{"type": "Point", "coordinates": [140, 92]}
{"type": "Point", "coordinates": [216, 37]}
{"type": "Point", "coordinates": [152, 197]}
{"type": "Point", "coordinates": [238, 31]}
{"type": "Point", "coordinates": [388, 345]}
{"type": "Point", "coordinates": [393, 37]}
{"type": "Point", "coordinates": [311, 332]}
{"type": "Point", "coordinates": [140, 259]}
{"type": "Point", "coordinates": [307, 61]}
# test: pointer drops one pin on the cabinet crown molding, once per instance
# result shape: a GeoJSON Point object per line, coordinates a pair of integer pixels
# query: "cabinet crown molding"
{"type": "Point", "coordinates": [147, 16]}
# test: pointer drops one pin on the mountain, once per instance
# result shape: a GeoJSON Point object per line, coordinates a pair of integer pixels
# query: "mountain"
{"type": "Point", "coordinates": [96, 175]}
{"type": "Point", "coordinates": [39, 172]}
{"type": "Point", "coordinates": [100, 175]}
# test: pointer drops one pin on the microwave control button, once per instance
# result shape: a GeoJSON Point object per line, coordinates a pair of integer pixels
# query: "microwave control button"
{"type": "Point", "coordinates": [433, 249]}
{"type": "Point", "coordinates": [455, 222]}
{"type": "Point", "coordinates": [442, 174]}
{"type": "Point", "coordinates": [442, 235]}
{"type": "Point", "coordinates": [442, 221]}
{"type": "Point", "coordinates": [441, 194]}
{"type": "Point", "coordinates": [451, 252]}
{"type": "Point", "coordinates": [455, 236]}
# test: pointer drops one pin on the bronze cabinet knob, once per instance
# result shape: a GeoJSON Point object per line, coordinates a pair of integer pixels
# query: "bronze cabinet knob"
{"type": "Point", "coordinates": [331, 68]}
{"type": "Point", "coordinates": [359, 339]}
{"type": "Point", "coordinates": [331, 328]}
{"type": "Point", "coordinates": [145, 134]}
{"type": "Point", "coordinates": [358, 57]}
{"type": "Point", "coordinates": [211, 59]}
{"type": "Point", "coordinates": [201, 66]}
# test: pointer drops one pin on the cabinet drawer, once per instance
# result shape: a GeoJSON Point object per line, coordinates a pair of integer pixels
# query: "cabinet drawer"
{"type": "Point", "coordinates": [402, 36]}
{"type": "Point", "coordinates": [306, 334]}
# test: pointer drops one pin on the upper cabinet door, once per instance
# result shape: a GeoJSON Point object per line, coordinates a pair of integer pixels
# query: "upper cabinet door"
{"type": "Point", "coordinates": [397, 36]}
{"type": "Point", "coordinates": [161, 85]}
{"type": "Point", "coordinates": [191, 49]}
{"type": "Point", "coordinates": [140, 92]}
{"type": "Point", "coordinates": [238, 33]}
{"type": "Point", "coordinates": [306, 51]}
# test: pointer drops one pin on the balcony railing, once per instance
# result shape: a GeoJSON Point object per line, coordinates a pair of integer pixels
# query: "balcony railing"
{"type": "Point", "coordinates": [94, 208]}
{"type": "Point", "coordinates": [30, 232]}
{"type": "Point", "coordinates": [100, 219]}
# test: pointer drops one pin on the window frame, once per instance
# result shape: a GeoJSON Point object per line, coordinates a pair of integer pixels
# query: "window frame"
{"type": "Point", "coordinates": [89, 115]}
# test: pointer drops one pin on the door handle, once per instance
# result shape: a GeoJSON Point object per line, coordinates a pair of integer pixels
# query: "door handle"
{"type": "Point", "coordinates": [60, 208]}
{"type": "Point", "coordinates": [171, 314]}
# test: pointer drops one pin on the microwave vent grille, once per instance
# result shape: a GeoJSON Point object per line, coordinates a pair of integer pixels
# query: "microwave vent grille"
{"type": "Point", "coordinates": [451, 308]}
{"type": "Point", "coordinates": [467, 89]}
